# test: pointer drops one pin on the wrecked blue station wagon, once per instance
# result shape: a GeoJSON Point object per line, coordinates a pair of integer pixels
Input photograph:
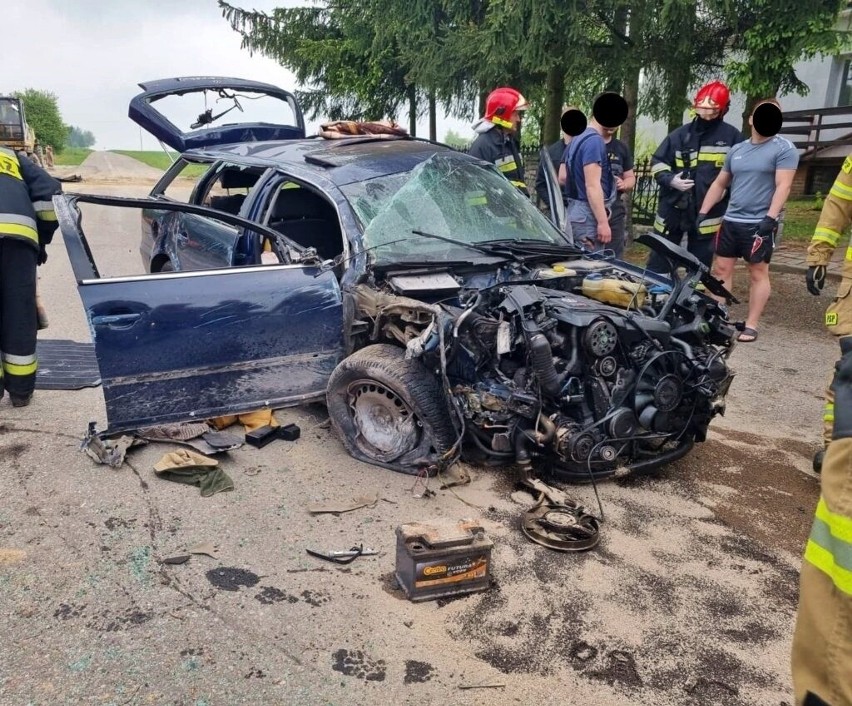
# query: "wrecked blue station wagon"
{"type": "Point", "coordinates": [432, 307]}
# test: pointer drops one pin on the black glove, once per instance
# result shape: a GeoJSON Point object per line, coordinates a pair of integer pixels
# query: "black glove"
{"type": "Point", "coordinates": [815, 279]}
{"type": "Point", "coordinates": [698, 220]}
{"type": "Point", "coordinates": [842, 387]}
{"type": "Point", "coordinates": [768, 226]}
{"type": "Point", "coordinates": [42, 254]}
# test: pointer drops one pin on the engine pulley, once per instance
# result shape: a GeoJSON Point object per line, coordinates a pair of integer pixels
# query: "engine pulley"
{"type": "Point", "coordinates": [623, 423]}
{"type": "Point", "coordinates": [668, 393]}
{"type": "Point", "coordinates": [600, 338]}
{"type": "Point", "coordinates": [607, 366]}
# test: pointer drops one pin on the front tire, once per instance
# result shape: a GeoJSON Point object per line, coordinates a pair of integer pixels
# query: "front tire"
{"type": "Point", "coordinates": [389, 411]}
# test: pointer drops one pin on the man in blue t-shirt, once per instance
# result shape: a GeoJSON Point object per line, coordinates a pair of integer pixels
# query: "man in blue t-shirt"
{"type": "Point", "coordinates": [759, 173]}
{"type": "Point", "coordinates": [585, 173]}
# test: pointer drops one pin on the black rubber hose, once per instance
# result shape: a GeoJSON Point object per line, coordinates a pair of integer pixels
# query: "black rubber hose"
{"type": "Point", "coordinates": [474, 437]}
{"type": "Point", "coordinates": [522, 456]}
{"type": "Point", "coordinates": [650, 464]}
{"type": "Point", "coordinates": [541, 357]}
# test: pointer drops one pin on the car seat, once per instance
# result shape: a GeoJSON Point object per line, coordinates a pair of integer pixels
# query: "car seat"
{"type": "Point", "coordinates": [233, 179]}
{"type": "Point", "coordinates": [229, 204]}
{"type": "Point", "coordinates": [307, 219]}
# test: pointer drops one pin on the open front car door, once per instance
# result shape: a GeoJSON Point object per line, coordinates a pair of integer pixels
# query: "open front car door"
{"type": "Point", "coordinates": [185, 346]}
{"type": "Point", "coordinates": [554, 196]}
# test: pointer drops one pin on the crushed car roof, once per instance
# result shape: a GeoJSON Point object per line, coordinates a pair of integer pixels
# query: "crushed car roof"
{"type": "Point", "coordinates": [343, 161]}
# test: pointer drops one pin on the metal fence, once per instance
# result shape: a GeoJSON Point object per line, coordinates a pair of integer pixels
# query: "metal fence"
{"type": "Point", "coordinates": [644, 197]}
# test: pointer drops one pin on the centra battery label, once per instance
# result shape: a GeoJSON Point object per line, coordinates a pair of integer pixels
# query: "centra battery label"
{"type": "Point", "coordinates": [456, 570]}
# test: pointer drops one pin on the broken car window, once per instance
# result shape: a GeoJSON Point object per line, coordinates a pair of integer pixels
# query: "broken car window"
{"type": "Point", "coordinates": [448, 197]}
{"type": "Point", "coordinates": [184, 177]}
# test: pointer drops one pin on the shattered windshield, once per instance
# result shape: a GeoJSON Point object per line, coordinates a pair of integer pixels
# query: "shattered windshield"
{"type": "Point", "coordinates": [448, 197]}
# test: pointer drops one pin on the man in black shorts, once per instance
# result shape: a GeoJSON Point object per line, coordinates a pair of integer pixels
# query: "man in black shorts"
{"type": "Point", "coordinates": [759, 173]}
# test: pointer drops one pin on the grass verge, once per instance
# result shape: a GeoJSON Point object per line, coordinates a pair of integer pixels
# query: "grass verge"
{"type": "Point", "coordinates": [71, 156]}
{"type": "Point", "coordinates": [158, 160]}
{"type": "Point", "coordinates": [161, 160]}
{"type": "Point", "coordinates": [800, 218]}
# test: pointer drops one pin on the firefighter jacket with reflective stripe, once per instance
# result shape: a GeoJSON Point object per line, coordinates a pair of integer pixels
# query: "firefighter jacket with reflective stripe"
{"type": "Point", "coordinates": [835, 218]}
{"type": "Point", "coordinates": [822, 643]}
{"type": "Point", "coordinates": [698, 149]}
{"type": "Point", "coordinates": [26, 200]}
{"type": "Point", "coordinates": [499, 148]}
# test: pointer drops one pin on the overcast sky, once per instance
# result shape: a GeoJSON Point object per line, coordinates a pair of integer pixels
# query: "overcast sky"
{"type": "Point", "coordinates": [92, 54]}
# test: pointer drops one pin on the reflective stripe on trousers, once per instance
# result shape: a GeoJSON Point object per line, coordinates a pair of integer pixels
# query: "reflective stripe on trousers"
{"type": "Point", "coordinates": [822, 643]}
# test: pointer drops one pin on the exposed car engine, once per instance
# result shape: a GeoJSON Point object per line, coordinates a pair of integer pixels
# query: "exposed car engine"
{"type": "Point", "coordinates": [588, 365]}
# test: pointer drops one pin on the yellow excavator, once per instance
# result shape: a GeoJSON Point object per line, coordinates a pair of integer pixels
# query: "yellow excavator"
{"type": "Point", "coordinates": [14, 131]}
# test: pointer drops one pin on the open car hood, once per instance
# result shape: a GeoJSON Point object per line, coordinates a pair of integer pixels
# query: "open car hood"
{"type": "Point", "coordinates": [217, 104]}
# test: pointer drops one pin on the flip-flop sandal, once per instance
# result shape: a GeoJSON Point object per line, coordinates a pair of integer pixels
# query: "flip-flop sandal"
{"type": "Point", "coordinates": [751, 334]}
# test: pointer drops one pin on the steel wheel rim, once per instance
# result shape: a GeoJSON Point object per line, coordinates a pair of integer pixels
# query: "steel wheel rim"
{"type": "Point", "coordinates": [386, 426]}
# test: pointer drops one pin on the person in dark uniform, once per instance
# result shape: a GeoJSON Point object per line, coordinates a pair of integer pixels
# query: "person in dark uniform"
{"type": "Point", "coordinates": [27, 224]}
{"type": "Point", "coordinates": [621, 166]}
{"type": "Point", "coordinates": [556, 151]}
{"type": "Point", "coordinates": [685, 165]}
{"type": "Point", "coordinates": [498, 133]}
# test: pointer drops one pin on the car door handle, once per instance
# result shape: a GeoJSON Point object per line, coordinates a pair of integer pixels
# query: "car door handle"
{"type": "Point", "coordinates": [116, 320]}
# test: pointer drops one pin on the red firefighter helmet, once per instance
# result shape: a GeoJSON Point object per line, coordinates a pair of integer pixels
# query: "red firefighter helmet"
{"type": "Point", "coordinates": [714, 96]}
{"type": "Point", "coordinates": [502, 103]}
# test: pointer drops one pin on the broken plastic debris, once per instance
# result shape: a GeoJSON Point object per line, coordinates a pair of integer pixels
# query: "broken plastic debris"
{"type": "Point", "coordinates": [454, 475]}
{"type": "Point", "coordinates": [110, 452]}
{"type": "Point", "coordinates": [206, 548]}
{"type": "Point", "coordinates": [179, 559]}
{"type": "Point", "coordinates": [198, 435]}
{"type": "Point", "coordinates": [354, 504]}
{"type": "Point", "coordinates": [174, 432]}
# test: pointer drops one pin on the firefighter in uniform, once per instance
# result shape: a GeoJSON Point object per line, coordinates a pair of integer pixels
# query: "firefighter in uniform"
{"type": "Point", "coordinates": [27, 224]}
{"type": "Point", "coordinates": [835, 218]}
{"type": "Point", "coordinates": [498, 132]}
{"type": "Point", "coordinates": [822, 643]}
{"type": "Point", "coordinates": [684, 165]}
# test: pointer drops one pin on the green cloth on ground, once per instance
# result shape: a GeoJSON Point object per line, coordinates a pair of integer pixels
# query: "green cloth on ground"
{"type": "Point", "coordinates": [190, 468]}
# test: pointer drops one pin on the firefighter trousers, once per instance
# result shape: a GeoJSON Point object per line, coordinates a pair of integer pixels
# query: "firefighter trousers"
{"type": "Point", "coordinates": [838, 321]}
{"type": "Point", "coordinates": [18, 320]}
{"type": "Point", "coordinates": [822, 644]}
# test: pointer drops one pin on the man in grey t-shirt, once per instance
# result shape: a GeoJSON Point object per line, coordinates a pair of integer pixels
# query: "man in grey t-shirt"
{"type": "Point", "coordinates": [759, 173]}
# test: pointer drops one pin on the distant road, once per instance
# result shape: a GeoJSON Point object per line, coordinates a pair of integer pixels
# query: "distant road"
{"type": "Point", "coordinates": [109, 166]}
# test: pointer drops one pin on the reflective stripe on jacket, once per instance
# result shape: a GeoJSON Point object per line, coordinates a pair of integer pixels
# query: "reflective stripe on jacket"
{"type": "Point", "coordinates": [834, 219]}
{"type": "Point", "coordinates": [698, 148]}
{"type": "Point", "coordinates": [26, 200]}
{"type": "Point", "coordinates": [499, 148]}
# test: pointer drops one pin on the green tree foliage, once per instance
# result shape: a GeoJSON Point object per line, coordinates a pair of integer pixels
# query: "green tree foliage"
{"type": "Point", "coordinates": [770, 36]}
{"type": "Point", "coordinates": [332, 52]}
{"type": "Point", "coordinates": [42, 112]}
{"type": "Point", "coordinates": [453, 139]}
{"type": "Point", "coordinates": [77, 137]}
{"type": "Point", "coordinates": [369, 58]}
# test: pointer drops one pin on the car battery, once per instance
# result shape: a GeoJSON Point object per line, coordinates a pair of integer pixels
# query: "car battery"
{"type": "Point", "coordinates": [438, 561]}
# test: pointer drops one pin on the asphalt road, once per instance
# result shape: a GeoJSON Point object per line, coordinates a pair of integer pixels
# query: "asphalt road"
{"type": "Point", "coordinates": [689, 598]}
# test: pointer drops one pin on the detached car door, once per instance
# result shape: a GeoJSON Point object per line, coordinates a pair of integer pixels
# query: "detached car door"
{"type": "Point", "coordinates": [192, 345]}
